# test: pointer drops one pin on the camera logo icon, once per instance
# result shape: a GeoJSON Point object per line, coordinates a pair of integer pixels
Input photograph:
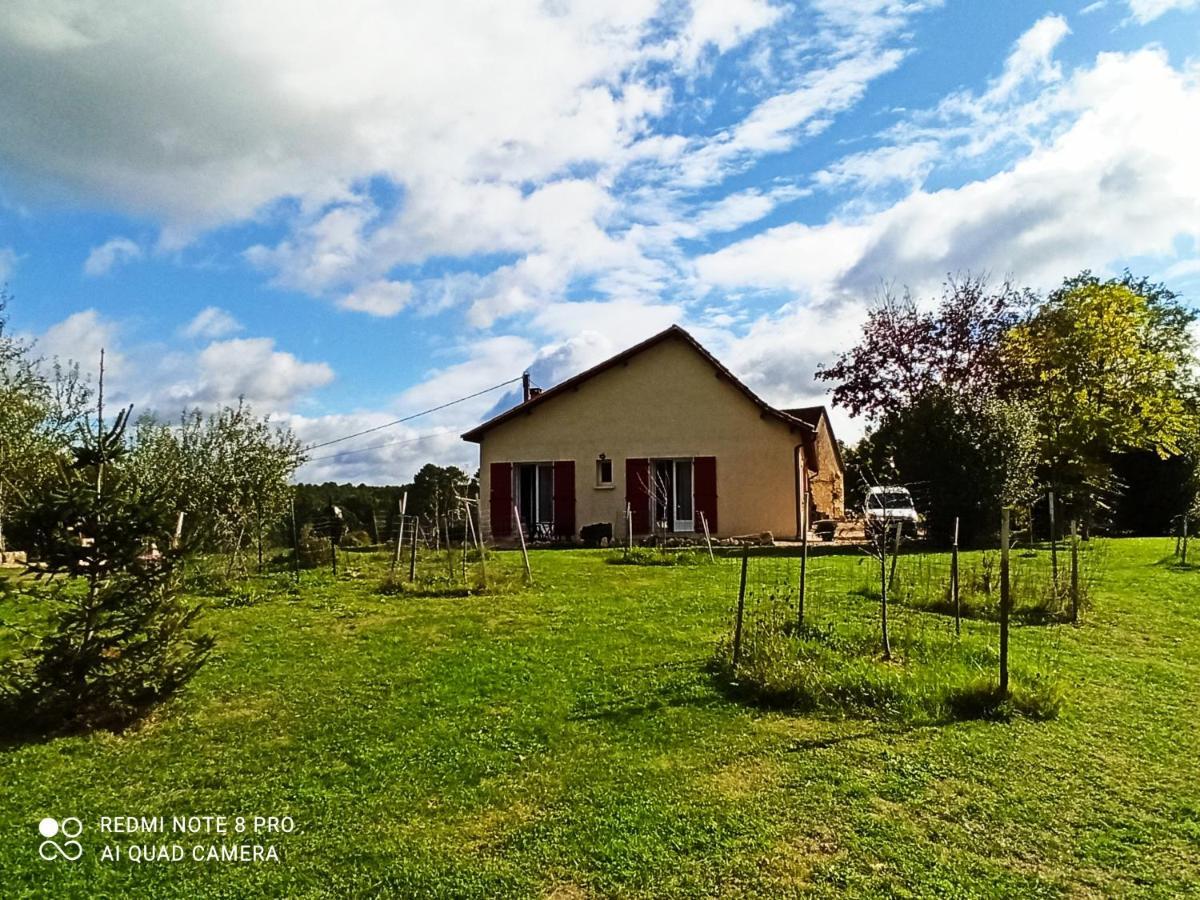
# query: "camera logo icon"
{"type": "Point", "coordinates": [69, 849]}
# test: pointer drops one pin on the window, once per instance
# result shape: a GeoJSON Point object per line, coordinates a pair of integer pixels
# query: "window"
{"type": "Point", "coordinates": [604, 473]}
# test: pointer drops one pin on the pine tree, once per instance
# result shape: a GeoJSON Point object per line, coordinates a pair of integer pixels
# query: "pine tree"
{"type": "Point", "coordinates": [119, 637]}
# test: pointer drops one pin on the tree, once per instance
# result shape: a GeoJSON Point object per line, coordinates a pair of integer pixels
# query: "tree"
{"type": "Point", "coordinates": [1106, 366]}
{"type": "Point", "coordinates": [118, 639]}
{"type": "Point", "coordinates": [436, 488]}
{"type": "Point", "coordinates": [228, 472]}
{"type": "Point", "coordinates": [905, 351]}
{"type": "Point", "coordinates": [40, 406]}
{"type": "Point", "coordinates": [960, 457]}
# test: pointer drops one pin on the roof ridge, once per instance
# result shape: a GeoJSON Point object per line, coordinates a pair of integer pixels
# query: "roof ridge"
{"type": "Point", "coordinates": [476, 433]}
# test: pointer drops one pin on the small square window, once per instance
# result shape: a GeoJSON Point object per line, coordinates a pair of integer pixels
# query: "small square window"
{"type": "Point", "coordinates": [604, 471]}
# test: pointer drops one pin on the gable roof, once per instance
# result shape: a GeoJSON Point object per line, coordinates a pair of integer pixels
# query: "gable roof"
{"type": "Point", "coordinates": [812, 415]}
{"type": "Point", "coordinates": [476, 434]}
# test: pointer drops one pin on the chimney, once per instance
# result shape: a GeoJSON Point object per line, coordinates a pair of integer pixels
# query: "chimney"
{"type": "Point", "coordinates": [525, 392]}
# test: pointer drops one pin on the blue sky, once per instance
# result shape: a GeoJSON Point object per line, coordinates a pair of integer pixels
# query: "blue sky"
{"type": "Point", "coordinates": [348, 213]}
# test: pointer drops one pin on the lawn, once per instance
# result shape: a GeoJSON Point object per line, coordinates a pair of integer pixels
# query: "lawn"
{"type": "Point", "coordinates": [568, 740]}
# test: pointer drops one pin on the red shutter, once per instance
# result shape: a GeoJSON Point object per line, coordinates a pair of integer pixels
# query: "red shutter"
{"type": "Point", "coordinates": [705, 468]}
{"type": "Point", "coordinates": [637, 493]}
{"type": "Point", "coordinates": [564, 498]}
{"type": "Point", "coordinates": [501, 500]}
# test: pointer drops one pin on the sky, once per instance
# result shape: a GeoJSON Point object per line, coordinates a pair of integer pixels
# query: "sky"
{"type": "Point", "coordinates": [350, 213]}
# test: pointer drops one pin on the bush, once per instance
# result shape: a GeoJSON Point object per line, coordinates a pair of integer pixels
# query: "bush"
{"type": "Point", "coordinates": [314, 549]}
{"type": "Point", "coordinates": [353, 539]}
{"type": "Point", "coordinates": [648, 556]}
{"type": "Point", "coordinates": [824, 670]}
{"type": "Point", "coordinates": [1035, 697]}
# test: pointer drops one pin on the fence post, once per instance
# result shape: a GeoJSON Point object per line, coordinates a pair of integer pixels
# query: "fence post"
{"type": "Point", "coordinates": [954, 596]}
{"type": "Point", "coordinates": [524, 550]}
{"type": "Point", "coordinates": [803, 571]}
{"type": "Point", "coordinates": [295, 540]}
{"type": "Point", "coordinates": [1053, 545]}
{"type": "Point", "coordinates": [1075, 571]}
{"type": "Point", "coordinates": [400, 534]}
{"type": "Point", "coordinates": [477, 538]}
{"type": "Point", "coordinates": [741, 609]}
{"type": "Point", "coordinates": [707, 537]}
{"type": "Point", "coordinates": [1183, 552]}
{"type": "Point", "coordinates": [628, 528]}
{"type": "Point", "coordinates": [883, 589]}
{"type": "Point", "coordinates": [412, 555]}
{"type": "Point", "coordinates": [1005, 600]}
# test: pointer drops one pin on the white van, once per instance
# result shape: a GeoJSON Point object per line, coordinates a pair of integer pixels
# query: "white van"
{"type": "Point", "coordinates": [889, 506]}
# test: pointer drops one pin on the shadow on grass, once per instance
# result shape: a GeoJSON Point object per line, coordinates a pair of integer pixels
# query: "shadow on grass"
{"type": "Point", "coordinates": [1173, 564]}
{"type": "Point", "coordinates": [690, 690]}
{"type": "Point", "coordinates": [866, 688]}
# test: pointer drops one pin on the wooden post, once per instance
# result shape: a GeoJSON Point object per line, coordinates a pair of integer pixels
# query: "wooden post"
{"type": "Point", "coordinates": [895, 553]}
{"type": "Point", "coordinates": [1053, 544]}
{"type": "Point", "coordinates": [466, 517]}
{"type": "Point", "coordinates": [403, 507]}
{"type": "Point", "coordinates": [803, 587]}
{"type": "Point", "coordinates": [883, 589]}
{"type": "Point", "coordinates": [1183, 551]}
{"type": "Point", "coordinates": [954, 595]}
{"type": "Point", "coordinates": [333, 554]}
{"type": "Point", "coordinates": [741, 608]}
{"type": "Point", "coordinates": [1005, 600]}
{"type": "Point", "coordinates": [295, 539]}
{"type": "Point", "coordinates": [707, 537]}
{"type": "Point", "coordinates": [412, 554]}
{"type": "Point", "coordinates": [477, 538]}
{"type": "Point", "coordinates": [437, 535]}
{"type": "Point", "coordinates": [178, 538]}
{"type": "Point", "coordinates": [1075, 571]}
{"type": "Point", "coordinates": [628, 528]}
{"type": "Point", "coordinates": [258, 531]}
{"type": "Point", "coordinates": [524, 549]}
{"type": "Point", "coordinates": [449, 545]}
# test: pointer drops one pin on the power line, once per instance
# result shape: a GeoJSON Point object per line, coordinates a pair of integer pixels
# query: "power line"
{"type": "Point", "coordinates": [415, 440]}
{"type": "Point", "coordinates": [417, 415]}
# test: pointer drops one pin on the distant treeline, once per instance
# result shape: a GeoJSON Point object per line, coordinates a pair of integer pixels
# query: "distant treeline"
{"type": "Point", "coordinates": [372, 510]}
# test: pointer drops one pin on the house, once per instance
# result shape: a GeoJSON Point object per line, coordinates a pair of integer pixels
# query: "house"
{"type": "Point", "coordinates": [665, 430]}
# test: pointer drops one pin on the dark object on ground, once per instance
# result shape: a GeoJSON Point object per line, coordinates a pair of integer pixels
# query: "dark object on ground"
{"type": "Point", "coordinates": [593, 535]}
{"type": "Point", "coordinates": [825, 529]}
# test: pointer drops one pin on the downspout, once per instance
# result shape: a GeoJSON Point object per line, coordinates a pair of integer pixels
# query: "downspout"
{"type": "Point", "coordinates": [801, 511]}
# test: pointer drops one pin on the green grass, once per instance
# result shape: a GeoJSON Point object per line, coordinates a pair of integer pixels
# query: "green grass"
{"type": "Point", "coordinates": [567, 739]}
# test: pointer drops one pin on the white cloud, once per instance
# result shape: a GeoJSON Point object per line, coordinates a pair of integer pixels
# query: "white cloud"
{"type": "Point", "coordinates": [733, 211]}
{"type": "Point", "coordinates": [907, 164]}
{"type": "Point", "coordinates": [212, 322]}
{"type": "Point", "coordinates": [251, 368]}
{"type": "Point", "coordinates": [503, 132]}
{"type": "Point", "coordinates": [391, 456]}
{"type": "Point", "coordinates": [153, 378]}
{"type": "Point", "coordinates": [724, 24]}
{"type": "Point", "coordinates": [1031, 58]}
{"type": "Point", "coordinates": [109, 255]}
{"type": "Point", "coordinates": [79, 338]}
{"type": "Point", "coordinates": [1148, 10]}
{"type": "Point", "coordinates": [379, 298]}
{"type": "Point", "coordinates": [1117, 180]}
{"type": "Point", "coordinates": [8, 262]}
{"type": "Point", "coordinates": [776, 123]}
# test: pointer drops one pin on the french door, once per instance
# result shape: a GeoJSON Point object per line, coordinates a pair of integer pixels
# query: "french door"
{"type": "Point", "coordinates": [534, 483]}
{"type": "Point", "coordinates": [674, 494]}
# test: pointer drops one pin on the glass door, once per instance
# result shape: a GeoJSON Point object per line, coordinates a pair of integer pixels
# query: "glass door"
{"type": "Point", "coordinates": [684, 503]}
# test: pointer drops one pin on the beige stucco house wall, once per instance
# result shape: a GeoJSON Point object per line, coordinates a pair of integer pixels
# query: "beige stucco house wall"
{"type": "Point", "coordinates": [666, 399]}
